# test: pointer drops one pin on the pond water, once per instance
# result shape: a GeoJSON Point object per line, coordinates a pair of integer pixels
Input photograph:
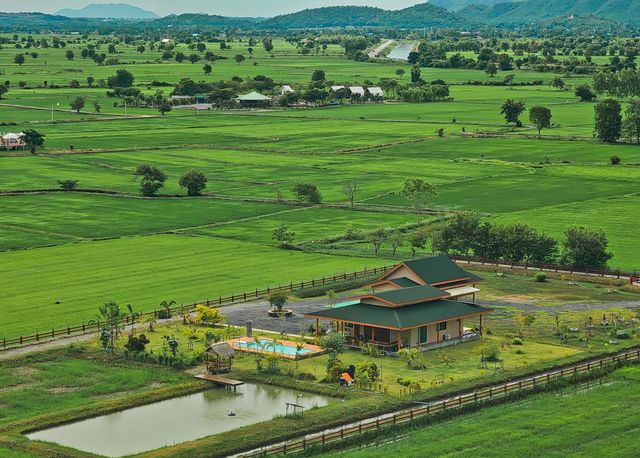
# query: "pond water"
{"type": "Point", "coordinates": [177, 420]}
{"type": "Point", "coordinates": [401, 52]}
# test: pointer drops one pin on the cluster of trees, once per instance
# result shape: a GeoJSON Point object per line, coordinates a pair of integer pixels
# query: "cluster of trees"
{"type": "Point", "coordinates": [539, 116]}
{"type": "Point", "coordinates": [152, 179]}
{"type": "Point", "coordinates": [466, 233]}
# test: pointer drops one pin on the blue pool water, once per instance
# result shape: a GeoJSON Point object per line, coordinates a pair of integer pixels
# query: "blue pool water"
{"type": "Point", "coordinates": [266, 345]}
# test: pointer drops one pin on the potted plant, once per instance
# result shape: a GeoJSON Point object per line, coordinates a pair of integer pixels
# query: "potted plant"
{"type": "Point", "coordinates": [277, 301]}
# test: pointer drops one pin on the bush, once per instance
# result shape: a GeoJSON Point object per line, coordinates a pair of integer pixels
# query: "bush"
{"type": "Point", "coordinates": [163, 315]}
{"type": "Point", "coordinates": [517, 341]}
{"type": "Point", "coordinates": [334, 370]}
{"type": "Point", "coordinates": [367, 371]}
{"type": "Point", "coordinates": [76, 348]}
{"type": "Point", "coordinates": [622, 334]}
{"type": "Point", "coordinates": [615, 160]}
{"type": "Point", "coordinates": [519, 352]}
{"type": "Point", "coordinates": [541, 277]}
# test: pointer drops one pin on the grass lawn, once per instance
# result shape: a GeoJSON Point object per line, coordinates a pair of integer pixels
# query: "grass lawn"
{"type": "Point", "coordinates": [551, 425]}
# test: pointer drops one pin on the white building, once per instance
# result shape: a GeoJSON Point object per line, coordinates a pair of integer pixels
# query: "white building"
{"type": "Point", "coordinates": [11, 141]}
{"type": "Point", "coordinates": [375, 91]}
{"type": "Point", "coordinates": [357, 90]}
{"type": "Point", "coordinates": [286, 89]}
{"type": "Point", "coordinates": [336, 88]}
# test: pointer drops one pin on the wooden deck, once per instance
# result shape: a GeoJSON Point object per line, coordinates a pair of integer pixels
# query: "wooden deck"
{"type": "Point", "coordinates": [220, 380]}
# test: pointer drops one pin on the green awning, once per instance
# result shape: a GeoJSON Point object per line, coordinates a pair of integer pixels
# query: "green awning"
{"type": "Point", "coordinates": [409, 316]}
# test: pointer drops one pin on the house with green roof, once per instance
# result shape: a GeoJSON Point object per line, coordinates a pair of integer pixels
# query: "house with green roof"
{"type": "Point", "coordinates": [419, 303]}
{"type": "Point", "coordinates": [254, 100]}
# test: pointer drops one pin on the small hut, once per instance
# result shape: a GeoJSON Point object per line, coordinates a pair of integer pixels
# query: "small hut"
{"type": "Point", "coordinates": [218, 358]}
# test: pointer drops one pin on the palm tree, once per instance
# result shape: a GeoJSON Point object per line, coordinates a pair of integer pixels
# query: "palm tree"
{"type": "Point", "coordinates": [166, 305]}
{"type": "Point", "coordinates": [134, 316]}
{"type": "Point", "coordinates": [410, 355]}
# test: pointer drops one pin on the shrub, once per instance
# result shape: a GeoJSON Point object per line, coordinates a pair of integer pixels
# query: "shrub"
{"type": "Point", "coordinates": [163, 315]}
{"type": "Point", "coordinates": [136, 344]}
{"type": "Point", "coordinates": [622, 334]}
{"type": "Point", "coordinates": [335, 368]}
{"type": "Point", "coordinates": [541, 277]}
{"type": "Point", "coordinates": [517, 341]}
{"type": "Point", "coordinates": [75, 348]}
{"type": "Point", "coordinates": [519, 351]}
{"type": "Point", "coordinates": [615, 160]}
{"type": "Point", "coordinates": [367, 371]}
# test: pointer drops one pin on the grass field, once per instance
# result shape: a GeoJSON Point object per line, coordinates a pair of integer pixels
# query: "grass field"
{"type": "Point", "coordinates": [84, 248]}
{"type": "Point", "coordinates": [551, 425]}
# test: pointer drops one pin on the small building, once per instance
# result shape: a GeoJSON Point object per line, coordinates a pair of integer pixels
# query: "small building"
{"type": "Point", "coordinates": [218, 358]}
{"type": "Point", "coordinates": [254, 100]}
{"type": "Point", "coordinates": [357, 91]}
{"type": "Point", "coordinates": [335, 89]}
{"type": "Point", "coordinates": [417, 304]}
{"type": "Point", "coordinates": [11, 141]}
{"type": "Point", "coordinates": [286, 89]}
{"type": "Point", "coordinates": [375, 92]}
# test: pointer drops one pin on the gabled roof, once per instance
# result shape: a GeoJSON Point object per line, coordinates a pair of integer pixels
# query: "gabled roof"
{"type": "Point", "coordinates": [404, 282]}
{"type": "Point", "coordinates": [254, 97]}
{"type": "Point", "coordinates": [435, 271]}
{"type": "Point", "coordinates": [375, 90]}
{"type": "Point", "coordinates": [336, 88]}
{"type": "Point", "coordinates": [405, 296]}
{"type": "Point", "coordinates": [410, 316]}
{"type": "Point", "coordinates": [356, 90]}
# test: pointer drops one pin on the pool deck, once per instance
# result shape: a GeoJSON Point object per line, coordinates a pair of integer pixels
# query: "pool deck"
{"type": "Point", "coordinates": [314, 350]}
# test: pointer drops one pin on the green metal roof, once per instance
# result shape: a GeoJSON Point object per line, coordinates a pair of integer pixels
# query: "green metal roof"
{"type": "Point", "coordinates": [438, 269]}
{"type": "Point", "coordinates": [254, 97]}
{"type": "Point", "coordinates": [409, 316]}
{"type": "Point", "coordinates": [404, 282]}
{"type": "Point", "coordinates": [400, 296]}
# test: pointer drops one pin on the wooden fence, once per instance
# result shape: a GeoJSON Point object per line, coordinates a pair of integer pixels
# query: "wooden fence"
{"type": "Point", "coordinates": [409, 415]}
{"type": "Point", "coordinates": [94, 326]}
{"type": "Point", "coordinates": [547, 267]}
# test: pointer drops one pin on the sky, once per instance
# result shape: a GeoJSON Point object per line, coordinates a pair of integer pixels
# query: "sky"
{"type": "Point", "coordinates": [264, 8]}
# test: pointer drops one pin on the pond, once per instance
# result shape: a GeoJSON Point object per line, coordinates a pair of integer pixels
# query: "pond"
{"type": "Point", "coordinates": [177, 420]}
{"type": "Point", "coordinates": [401, 52]}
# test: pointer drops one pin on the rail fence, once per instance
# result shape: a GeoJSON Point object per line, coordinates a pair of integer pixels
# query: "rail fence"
{"type": "Point", "coordinates": [94, 326]}
{"type": "Point", "coordinates": [410, 415]}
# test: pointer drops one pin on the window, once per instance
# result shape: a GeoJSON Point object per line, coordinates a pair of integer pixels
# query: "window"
{"type": "Point", "coordinates": [348, 325]}
{"type": "Point", "coordinates": [442, 326]}
{"type": "Point", "coordinates": [422, 334]}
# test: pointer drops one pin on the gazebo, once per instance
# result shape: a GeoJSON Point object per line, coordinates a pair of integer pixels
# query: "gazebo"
{"type": "Point", "coordinates": [218, 358]}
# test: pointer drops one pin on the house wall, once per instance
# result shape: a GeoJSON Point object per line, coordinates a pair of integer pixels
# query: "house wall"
{"type": "Point", "coordinates": [404, 272]}
{"type": "Point", "coordinates": [453, 330]}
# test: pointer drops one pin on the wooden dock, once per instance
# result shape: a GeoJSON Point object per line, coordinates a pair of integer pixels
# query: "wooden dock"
{"type": "Point", "coordinates": [219, 380]}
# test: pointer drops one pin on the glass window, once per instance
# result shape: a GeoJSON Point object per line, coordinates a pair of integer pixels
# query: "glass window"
{"type": "Point", "coordinates": [422, 337]}
{"type": "Point", "coordinates": [442, 326]}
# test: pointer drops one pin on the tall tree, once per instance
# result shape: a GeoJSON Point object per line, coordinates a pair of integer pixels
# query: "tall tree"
{"type": "Point", "coordinates": [419, 193]}
{"type": "Point", "coordinates": [151, 179]}
{"type": "Point", "coordinates": [109, 321]}
{"type": "Point", "coordinates": [194, 181]}
{"type": "Point", "coordinates": [586, 249]}
{"type": "Point", "coordinates": [512, 109]}
{"type": "Point", "coordinates": [541, 118]}
{"type": "Point", "coordinates": [122, 78]}
{"type": "Point", "coordinates": [33, 139]}
{"type": "Point", "coordinates": [350, 189]}
{"type": "Point", "coordinates": [632, 120]}
{"type": "Point", "coordinates": [608, 120]}
{"type": "Point", "coordinates": [77, 104]}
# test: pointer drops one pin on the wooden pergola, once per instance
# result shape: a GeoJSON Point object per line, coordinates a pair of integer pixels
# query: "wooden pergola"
{"type": "Point", "coordinates": [218, 358]}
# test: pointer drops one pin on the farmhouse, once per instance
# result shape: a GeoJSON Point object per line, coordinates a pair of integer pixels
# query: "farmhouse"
{"type": "Point", "coordinates": [11, 141]}
{"type": "Point", "coordinates": [357, 90]}
{"type": "Point", "coordinates": [254, 100]}
{"type": "Point", "coordinates": [417, 304]}
{"type": "Point", "coordinates": [375, 91]}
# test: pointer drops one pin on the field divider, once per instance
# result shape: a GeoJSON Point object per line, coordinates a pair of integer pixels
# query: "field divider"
{"type": "Point", "coordinates": [478, 396]}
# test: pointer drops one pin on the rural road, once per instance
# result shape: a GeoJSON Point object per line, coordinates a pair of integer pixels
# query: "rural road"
{"type": "Point", "coordinates": [376, 52]}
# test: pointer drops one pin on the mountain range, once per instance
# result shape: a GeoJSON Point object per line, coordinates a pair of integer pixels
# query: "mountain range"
{"type": "Point", "coordinates": [109, 10]}
{"type": "Point", "coordinates": [455, 14]}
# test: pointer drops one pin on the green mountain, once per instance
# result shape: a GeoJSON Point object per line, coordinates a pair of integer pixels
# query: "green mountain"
{"type": "Point", "coordinates": [109, 10]}
{"type": "Point", "coordinates": [530, 11]}
{"type": "Point", "coordinates": [425, 15]}
{"type": "Point", "coordinates": [457, 5]}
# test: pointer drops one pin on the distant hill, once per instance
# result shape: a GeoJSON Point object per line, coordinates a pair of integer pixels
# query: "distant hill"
{"type": "Point", "coordinates": [457, 5]}
{"type": "Point", "coordinates": [424, 15]}
{"type": "Point", "coordinates": [531, 11]}
{"type": "Point", "coordinates": [109, 10]}
{"type": "Point", "coordinates": [203, 21]}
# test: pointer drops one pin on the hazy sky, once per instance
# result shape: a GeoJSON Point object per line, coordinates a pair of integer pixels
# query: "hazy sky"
{"type": "Point", "coordinates": [223, 7]}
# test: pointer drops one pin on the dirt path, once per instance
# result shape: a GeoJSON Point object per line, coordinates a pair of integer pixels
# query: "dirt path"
{"type": "Point", "coordinates": [376, 52]}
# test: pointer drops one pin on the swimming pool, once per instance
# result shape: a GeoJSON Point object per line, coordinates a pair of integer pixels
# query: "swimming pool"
{"type": "Point", "coordinates": [284, 348]}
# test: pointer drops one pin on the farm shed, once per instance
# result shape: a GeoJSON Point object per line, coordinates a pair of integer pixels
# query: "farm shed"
{"type": "Point", "coordinates": [254, 100]}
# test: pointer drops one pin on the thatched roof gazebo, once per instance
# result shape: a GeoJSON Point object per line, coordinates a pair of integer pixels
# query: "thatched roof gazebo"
{"type": "Point", "coordinates": [218, 358]}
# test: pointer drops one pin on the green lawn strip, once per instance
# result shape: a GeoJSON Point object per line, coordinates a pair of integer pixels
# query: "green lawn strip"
{"type": "Point", "coordinates": [144, 271]}
{"type": "Point", "coordinates": [548, 424]}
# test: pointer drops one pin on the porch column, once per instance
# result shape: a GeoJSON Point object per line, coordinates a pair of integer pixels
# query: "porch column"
{"type": "Point", "coordinates": [399, 343]}
{"type": "Point", "coordinates": [373, 334]}
{"type": "Point", "coordinates": [480, 324]}
{"type": "Point", "coordinates": [460, 328]}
